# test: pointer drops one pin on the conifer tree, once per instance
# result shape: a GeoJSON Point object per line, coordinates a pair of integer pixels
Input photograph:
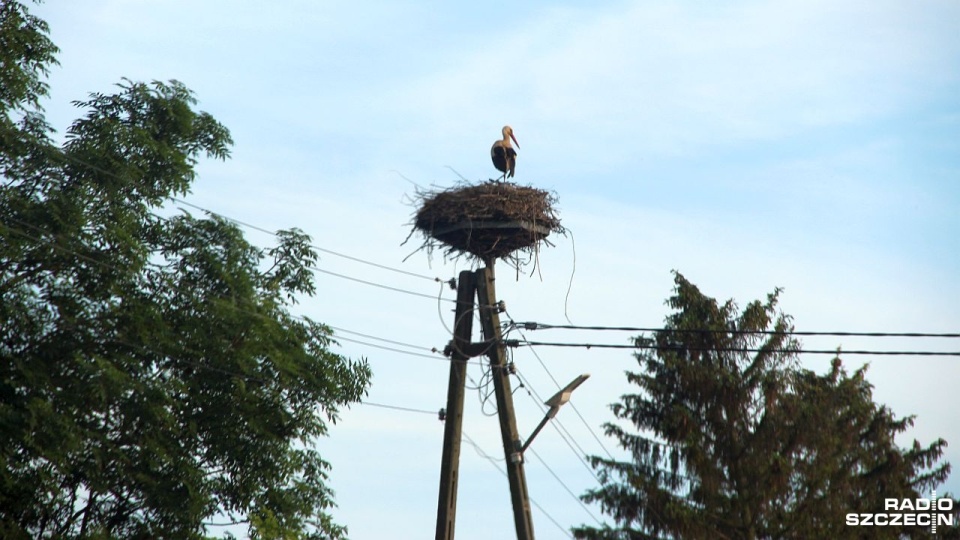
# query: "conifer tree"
{"type": "Point", "coordinates": [730, 438]}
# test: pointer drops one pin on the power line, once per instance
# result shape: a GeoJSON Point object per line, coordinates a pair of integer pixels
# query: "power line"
{"type": "Point", "coordinates": [385, 340]}
{"type": "Point", "coordinates": [440, 311]}
{"type": "Point", "coordinates": [103, 263]}
{"type": "Point", "coordinates": [374, 284]}
{"type": "Point", "coordinates": [565, 434]}
{"type": "Point", "coordinates": [489, 458]}
{"type": "Point", "coordinates": [264, 381]}
{"type": "Point", "coordinates": [398, 408]}
{"type": "Point", "coordinates": [386, 348]}
{"type": "Point", "coordinates": [433, 413]}
{"type": "Point", "coordinates": [543, 326]}
{"type": "Point", "coordinates": [565, 487]}
{"type": "Point", "coordinates": [208, 367]}
{"type": "Point", "coordinates": [273, 233]}
{"type": "Point", "coordinates": [493, 461]}
{"type": "Point", "coordinates": [557, 383]}
{"type": "Point", "coordinates": [534, 326]}
{"type": "Point", "coordinates": [530, 325]}
{"type": "Point", "coordinates": [101, 170]}
{"type": "Point", "coordinates": [318, 248]}
{"type": "Point", "coordinates": [254, 378]}
{"type": "Point", "coordinates": [110, 266]}
{"type": "Point", "coordinates": [520, 343]}
{"type": "Point", "coordinates": [561, 429]}
{"type": "Point", "coordinates": [567, 438]}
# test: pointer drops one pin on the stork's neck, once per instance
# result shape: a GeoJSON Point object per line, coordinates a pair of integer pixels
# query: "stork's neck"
{"type": "Point", "coordinates": [506, 140]}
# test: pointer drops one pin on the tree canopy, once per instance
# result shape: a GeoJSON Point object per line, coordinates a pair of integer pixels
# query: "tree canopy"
{"type": "Point", "coordinates": [730, 438]}
{"type": "Point", "coordinates": [152, 376]}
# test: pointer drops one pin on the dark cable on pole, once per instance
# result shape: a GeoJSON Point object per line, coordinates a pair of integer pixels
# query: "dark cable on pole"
{"type": "Point", "coordinates": [530, 325]}
{"type": "Point", "coordinates": [520, 343]}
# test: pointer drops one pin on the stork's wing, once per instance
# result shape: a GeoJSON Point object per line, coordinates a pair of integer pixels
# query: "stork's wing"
{"type": "Point", "coordinates": [499, 155]}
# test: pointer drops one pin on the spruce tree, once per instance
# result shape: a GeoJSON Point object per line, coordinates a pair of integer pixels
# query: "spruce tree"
{"type": "Point", "coordinates": [730, 438]}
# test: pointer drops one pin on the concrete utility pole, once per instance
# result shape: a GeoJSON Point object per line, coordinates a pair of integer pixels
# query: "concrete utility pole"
{"type": "Point", "coordinates": [461, 349]}
{"type": "Point", "coordinates": [453, 423]}
{"type": "Point", "coordinates": [490, 322]}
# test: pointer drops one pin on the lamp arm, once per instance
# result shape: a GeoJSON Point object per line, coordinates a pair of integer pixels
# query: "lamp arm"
{"type": "Point", "coordinates": [550, 414]}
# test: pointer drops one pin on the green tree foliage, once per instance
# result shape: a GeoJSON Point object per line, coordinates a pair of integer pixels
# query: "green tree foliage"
{"type": "Point", "coordinates": [152, 377]}
{"type": "Point", "coordinates": [729, 438]}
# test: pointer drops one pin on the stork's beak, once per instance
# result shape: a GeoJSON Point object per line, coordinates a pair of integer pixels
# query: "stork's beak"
{"type": "Point", "coordinates": [514, 139]}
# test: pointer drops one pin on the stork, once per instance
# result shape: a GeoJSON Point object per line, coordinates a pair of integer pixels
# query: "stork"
{"type": "Point", "coordinates": [503, 155]}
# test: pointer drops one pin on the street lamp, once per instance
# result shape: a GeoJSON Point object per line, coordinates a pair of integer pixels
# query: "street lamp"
{"type": "Point", "coordinates": [555, 403]}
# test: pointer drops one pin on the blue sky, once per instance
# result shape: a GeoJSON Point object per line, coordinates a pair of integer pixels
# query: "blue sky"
{"type": "Point", "coordinates": [811, 145]}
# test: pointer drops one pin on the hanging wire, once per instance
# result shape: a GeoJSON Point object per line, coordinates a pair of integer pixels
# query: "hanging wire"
{"type": "Point", "coordinates": [274, 233]}
{"type": "Point", "coordinates": [518, 343]}
{"type": "Point", "coordinates": [579, 451]}
{"type": "Point", "coordinates": [391, 349]}
{"type": "Point", "coordinates": [486, 390]}
{"type": "Point", "coordinates": [494, 460]}
{"type": "Point", "coordinates": [543, 364]}
{"type": "Point", "coordinates": [369, 336]}
{"type": "Point", "coordinates": [165, 278]}
{"type": "Point", "coordinates": [566, 438]}
{"type": "Point", "coordinates": [529, 325]}
{"type": "Point", "coordinates": [489, 458]}
{"type": "Point", "coordinates": [565, 487]}
{"type": "Point", "coordinates": [314, 246]}
{"type": "Point", "coordinates": [398, 408]}
{"type": "Point", "coordinates": [374, 284]}
{"type": "Point", "coordinates": [61, 153]}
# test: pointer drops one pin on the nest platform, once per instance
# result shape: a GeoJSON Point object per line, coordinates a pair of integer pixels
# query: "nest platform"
{"type": "Point", "coordinates": [487, 221]}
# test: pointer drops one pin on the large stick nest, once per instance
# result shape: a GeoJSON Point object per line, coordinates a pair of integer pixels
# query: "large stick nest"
{"type": "Point", "coordinates": [487, 221]}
